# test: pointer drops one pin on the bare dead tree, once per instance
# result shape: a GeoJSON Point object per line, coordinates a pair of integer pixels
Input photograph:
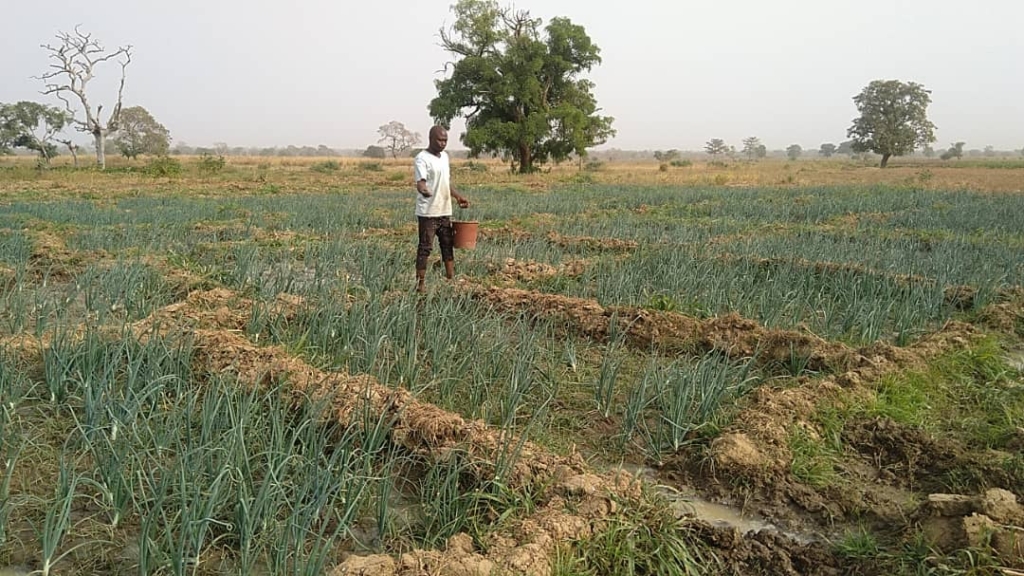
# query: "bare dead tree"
{"type": "Point", "coordinates": [74, 61]}
{"type": "Point", "coordinates": [72, 148]}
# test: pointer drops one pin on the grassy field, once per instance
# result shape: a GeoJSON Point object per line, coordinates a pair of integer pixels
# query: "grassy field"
{"type": "Point", "coordinates": [211, 369]}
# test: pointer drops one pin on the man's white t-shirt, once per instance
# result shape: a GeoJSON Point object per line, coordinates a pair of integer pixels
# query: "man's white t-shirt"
{"type": "Point", "coordinates": [436, 171]}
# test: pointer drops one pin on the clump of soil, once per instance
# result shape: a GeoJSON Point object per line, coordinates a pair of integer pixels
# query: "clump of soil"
{"type": "Point", "coordinates": [1007, 314]}
{"type": "Point", "coordinates": [767, 552]}
{"type": "Point", "coordinates": [591, 243]}
{"type": "Point", "coordinates": [673, 333]}
{"type": "Point", "coordinates": [505, 233]}
{"type": "Point", "coordinates": [993, 520]}
{"type": "Point", "coordinates": [51, 258]}
{"type": "Point", "coordinates": [512, 270]}
{"type": "Point", "coordinates": [960, 297]}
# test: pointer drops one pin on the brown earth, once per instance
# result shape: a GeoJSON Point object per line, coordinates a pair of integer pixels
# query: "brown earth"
{"type": "Point", "coordinates": [591, 243]}
{"type": "Point", "coordinates": [672, 333]}
{"type": "Point", "coordinates": [575, 502]}
{"type": "Point", "coordinates": [511, 270]}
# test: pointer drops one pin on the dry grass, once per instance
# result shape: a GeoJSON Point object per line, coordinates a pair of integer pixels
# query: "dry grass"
{"type": "Point", "coordinates": [270, 175]}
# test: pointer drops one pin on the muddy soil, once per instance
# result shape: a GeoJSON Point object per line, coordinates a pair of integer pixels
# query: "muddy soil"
{"type": "Point", "coordinates": [576, 500]}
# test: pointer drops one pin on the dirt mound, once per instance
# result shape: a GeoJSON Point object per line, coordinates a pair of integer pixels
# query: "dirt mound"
{"type": "Point", "coordinates": [993, 520]}
{"type": "Point", "coordinates": [767, 552]}
{"type": "Point", "coordinates": [591, 243]}
{"type": "Point", "coordinates": [673, 333]}
{"type": "Point", "coordinates": [1007, 313]}
{"type": "Point", "coordinates": [505, 233]}
{"type": "Point", "coordinates": [910, 458]}
{"type": "Point", "coordinates": [216, 308]}
{"type": "Point", "coordinates": [907, 455]}
{"type": "Point", "coordinates": [51, 257]}
{"type": "Point", "coordinates": [576, 502]}
{"type": "Point", "coordinates": [512, 270]}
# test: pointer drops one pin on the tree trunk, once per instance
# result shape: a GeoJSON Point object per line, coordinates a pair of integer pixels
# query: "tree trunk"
{"type": "Point", "coordinates": [74, 154]}
{"type": "Point", "coordinates": [101, 156]}
{"type": "Point", "coordinates": [525, 159]}
{"type": "Point", "coordinates": [885, 160]}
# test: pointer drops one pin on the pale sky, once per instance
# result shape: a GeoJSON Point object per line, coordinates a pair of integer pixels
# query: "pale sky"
{"type": "Point", "coordinates": [675, 74]}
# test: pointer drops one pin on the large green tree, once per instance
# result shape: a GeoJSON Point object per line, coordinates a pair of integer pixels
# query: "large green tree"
{"type": "Point", "coordinates": [140, 133]}
{"type": "Point", "coordinates": [519, 86]}
{"type": "Point", "coordinates": [32, 126]}
{"type": "Point", "coordinates": [893, 119]}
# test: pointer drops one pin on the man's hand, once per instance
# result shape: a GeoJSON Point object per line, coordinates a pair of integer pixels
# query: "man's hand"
{"type": "Point", "coordinates": [421, 187]}
{"type": "Point", "coordinates": [463, 203]}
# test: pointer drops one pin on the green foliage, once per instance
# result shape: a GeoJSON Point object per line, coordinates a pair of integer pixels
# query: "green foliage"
{"type": "Point", "coordinates": [210, 164]}
{"type": "Point", "coordinates": [716, 146]}
{"type": "Point", "coordinates": [794, 151]}
{"type": "Point", "coordinates": [956, 150]}
{"type": "Point", "coordinates": [472, 166]}
{"type": "Point", "coordinates": [375, 152]}
{"type": "Point", "coordinates": [753, 148]}
{"type": "Point", "coordinates": [645, 538]}
{"type": "Point", "coordinates": [816, 455]}
{"type": "Point", "coordinates": [827, 150]}
{"type": "Point", "coordinates": [523, 87]}
{"type": "Point", "coordinates": [32, 126]}
{"type": "Point", "coordinates": [139, 133]}
{"type": "Point", "coordinates": [326, 167]}
{"type": "Point", "coordinates": [893, 119]}
{"type": "Point", "coordinates": [163, 166]}
{"type": "Point", "coordinates": [681, 163]}
{"type": "Point", "coordinates": [859, 544]}
{"type": "Point", "coordinates": [969, 394]}
{"type": "Point", "coordinates": [667, 156]}
{"type": "Point", "coordinates": [371, 166]}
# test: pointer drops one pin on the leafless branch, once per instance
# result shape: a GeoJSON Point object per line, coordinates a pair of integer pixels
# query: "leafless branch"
{"type": "Point", "coordinates": [75, 60]}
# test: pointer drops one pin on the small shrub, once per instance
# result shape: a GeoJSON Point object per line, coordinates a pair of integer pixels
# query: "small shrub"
{"type": "Point", "coordinates": [721, 179]}
{"type": "Point", "coordinates": [210, 164]}
{"type": "Point", "coordinates": [371, 166]}
{"type": "Point", "coordinates": [397, 177]}
{"type": "Point", "coordinates": [580, 178]}
{"type": "Point", "coordinates": [476, 166]}
{"type": "Point", "coordinates": [682, 163]}
{"type": "Point", "coordinates": [662, 302]}
{"type": "Point", "coordinates": [326, 167]}
{"type": "Point", "coordinates": [663, 167]}
{"type": "Point", "coordinates": [594, 166]}
{"type": "Point", "coordinates": [163, 166]}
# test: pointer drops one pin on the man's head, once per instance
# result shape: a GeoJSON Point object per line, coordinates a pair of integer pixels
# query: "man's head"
{"type": "Point", "coordinates": [438, 140]}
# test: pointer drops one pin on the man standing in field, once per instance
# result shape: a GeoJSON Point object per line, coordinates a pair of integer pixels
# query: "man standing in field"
{"type": "Point", "coordinates": [434, 205]}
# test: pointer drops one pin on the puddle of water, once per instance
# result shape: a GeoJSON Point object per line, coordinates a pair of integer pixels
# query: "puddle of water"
{"type": "Point", "coordinates": [689, 505]}
{"type": "Point", "coordinates": [718, 514]}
